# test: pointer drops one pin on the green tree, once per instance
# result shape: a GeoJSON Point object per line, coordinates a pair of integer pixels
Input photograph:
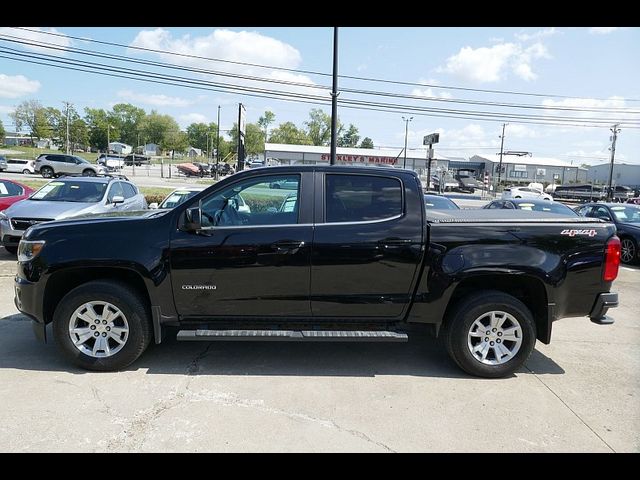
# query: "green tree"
{"type": "Point", "coordinates": [265, 120]}
{"type": "Point", "coordinates": [175, 141]}
{"type": "Point", "coordinates": [78, 133]}
{"type": "Point", "coordinates": [253, 141]}
{"type": "Point", "coordinates": [350, 137]}
{"type": "Point", "coordinates": [33, 115]}
{"type": "Point", "coordinates": [127, 119]}
{"type": "Point", "coordinates": [98, 121]}
{"type": "Point", "coordinates": [366, 143]}
{"type": "Point", "coordinates": [319, 127]}
{"type": "Point", "coordinates": [289, 134]}
{"type": "Point", "coordinates": [197, 134]}
{"type": "Point", "coordinates": [154, 127]}
{"type": "Point", "coordinates": [2, 133]}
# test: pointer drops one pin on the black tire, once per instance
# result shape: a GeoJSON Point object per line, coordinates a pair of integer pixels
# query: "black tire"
{"type": "Point", "coordinates": [26, 171]}
{"type": "Point", "coordinates": [632, 246]}
{"type": "Point", "coordinates": [87, 172]}
{"type": "Point", "coordinates": [131, 305]}
{"type": "Point", "coordinates": [47, 172]}
{"type": "Point", "coordinates": [11, 250]}
{"type": "Point", "coordinates": [460, 321]}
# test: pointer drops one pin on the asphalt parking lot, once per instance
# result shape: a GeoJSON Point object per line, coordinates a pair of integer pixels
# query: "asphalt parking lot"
{"type": "Point", "coordinates": [580, 393]}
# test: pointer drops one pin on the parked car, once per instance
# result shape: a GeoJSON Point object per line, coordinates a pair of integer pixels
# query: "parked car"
{"type": "Point", "coordinates": [18, 165]}
{"type": "Point", "coordinates": [438, 202]}
{"type": "Point", "coordinates": [12, 192]}
{"type": "Point", "coordinates": [176, 197]}
{"type": "Point", "coordinates": [51, 165]}
{"type": "Point", "coordinates": [3, 163]}
{"type": "Point", "coordinates": [525, 192]}
{"type": "Point", "coordinates": [627, 221]}
{"type": "Point", "coordinates": [284, 184]}
{"type": "Point", "coordinates": [355, 257]}
{"type": "Point", "coordinates": [634, 201]}
{"type": "Point", "coordinates": [68, 197]}
{"type": "Point", "coordinates": [531, 205]}
{"type": "Point", "coordinates": [136, 159]}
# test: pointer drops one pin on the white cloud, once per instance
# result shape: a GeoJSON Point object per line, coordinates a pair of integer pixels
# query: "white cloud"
{"type": "Point", "coordinates": [228, 45]}
{"type": "Point", "coordinates": [603, 30]}
{"type": "Point", "coordinates": [428, 92]}
{"type": "Point", "coordinates": [14, 86]}
{"type": "Point", "coordinates": [190, 118]}
{"type": "Point", "coordinates": [525, 37]}
{"type": "Point", "coordinates": [158, 100]}
{"type": "Point", "coordinates": [591, 103]}
{"type": "Point", "coordinates": [39, 35]}
{"type": "Point", "coordinates": [520, 131]}
{"type": "Point", "coordinates": [490, 64]}
{"type": "Point", "coordinates": [4, 109]}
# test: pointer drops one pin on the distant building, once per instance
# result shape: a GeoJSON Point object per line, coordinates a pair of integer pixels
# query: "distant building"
{"type": "Point", "coordinates": [522, 170]}
{"type": "Point", "coordinates": [623, 174]}
{"type": "Point", "coordinates": [46, 143]}
{"type": "Point", "coordinates": [121, 148]}
{"type": "Point", "coordinates": [12, 139]}
{"type": "Point", "coordinates": [151, 149]}
{"type": "Point", "coordinates": [194, 152]}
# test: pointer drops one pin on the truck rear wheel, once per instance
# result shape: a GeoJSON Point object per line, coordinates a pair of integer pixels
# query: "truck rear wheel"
{"type": "Point", "coordinates": [490, 334]}
{"type": "Point", "coordinates": [102, 325]}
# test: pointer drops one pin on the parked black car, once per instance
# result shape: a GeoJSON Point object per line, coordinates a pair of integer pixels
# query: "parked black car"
{"type": "Point", "coordinates": [136, 159]}
{"type": "Point", "coordinates": [438, 202]}
{"type": "Point", "coordinates": [626, 217]}
{"type": "Point", "coordinates": [351, 254]}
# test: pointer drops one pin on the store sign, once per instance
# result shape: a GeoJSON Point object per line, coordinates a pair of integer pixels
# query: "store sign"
{"type": "Point", "coordinates": [520, 168]}
{"type": "Point", "coordinates": [360, 159]}
{"type": "Point", "coordinates": [541, 171]}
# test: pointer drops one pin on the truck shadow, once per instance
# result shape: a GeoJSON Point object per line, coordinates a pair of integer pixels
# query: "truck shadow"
{"type": "Point", "coordinates": [422, 356]}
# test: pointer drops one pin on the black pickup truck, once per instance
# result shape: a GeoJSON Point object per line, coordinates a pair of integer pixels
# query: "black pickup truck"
{"type": "Point", "coordinates": [341, 254]}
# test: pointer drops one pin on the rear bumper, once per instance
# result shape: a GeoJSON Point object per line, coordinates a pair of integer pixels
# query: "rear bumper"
{"type": "Point", "coordinates": [604, 302]}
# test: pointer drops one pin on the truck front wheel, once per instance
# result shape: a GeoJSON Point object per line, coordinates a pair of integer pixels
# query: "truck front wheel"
{"type": "Point", "coordinates": [490, 334]}
{"type": "Point", "coordinates": [102, 325]}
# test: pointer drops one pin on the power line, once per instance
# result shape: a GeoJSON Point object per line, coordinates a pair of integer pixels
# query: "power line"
{"type": "Point", "coordinates": [244, 89]}
{"type": "Point", "coordinates": [289, 96]}
{"type": "Point", "coordinates": [311, 72]}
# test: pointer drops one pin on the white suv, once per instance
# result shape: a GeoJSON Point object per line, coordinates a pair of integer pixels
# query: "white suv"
{"type": "Point", "coordinates": [51, 165]}
{"type": "Point", "coordinates": [525, 192]}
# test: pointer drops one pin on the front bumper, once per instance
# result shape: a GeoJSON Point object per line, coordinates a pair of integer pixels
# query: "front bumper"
{"type": "Point", "coordinates": [8, 235]}
{"type": "Point", "coordinates": [28, 300]}
{"type": "Point", "coordinates": [604, 302]}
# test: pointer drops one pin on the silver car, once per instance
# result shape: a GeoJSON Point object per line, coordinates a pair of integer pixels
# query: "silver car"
{"type": "Point", "coordinates": [51, 165]}
{"type": "Point", "coordinates": [67, 197]}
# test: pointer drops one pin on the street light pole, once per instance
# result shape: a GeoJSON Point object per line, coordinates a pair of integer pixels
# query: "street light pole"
{"type": "Point", "coordinates": [406, 131]}
{"type": "Point", "coordinates": [334, 99]}
{"type": "Point", "coordinates": [500, 164]}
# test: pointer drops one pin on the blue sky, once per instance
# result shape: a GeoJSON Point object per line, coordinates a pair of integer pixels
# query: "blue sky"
{"type": "Point", "coordinates": [600, 65]}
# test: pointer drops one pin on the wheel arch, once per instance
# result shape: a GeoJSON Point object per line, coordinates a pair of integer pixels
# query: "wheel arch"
{"type": "Point", "coordinates": [529, 290]}
{"type": "Point", "coordinates": [63, 281]}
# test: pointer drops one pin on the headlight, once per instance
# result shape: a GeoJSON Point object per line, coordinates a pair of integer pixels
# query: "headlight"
{"type": "Point", "coordinates": [28, 250]}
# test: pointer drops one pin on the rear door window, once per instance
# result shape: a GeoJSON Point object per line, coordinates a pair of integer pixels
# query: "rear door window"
{"type": "Point", "coordinates": [361, 198]}
{"type": "Point", "coordinates": [129, 190]}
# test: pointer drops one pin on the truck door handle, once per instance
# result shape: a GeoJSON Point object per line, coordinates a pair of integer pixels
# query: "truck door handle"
{"type": "Point", "coordinates": [287, 246]}
{"type": "Point", "coordinates": [395, 242]}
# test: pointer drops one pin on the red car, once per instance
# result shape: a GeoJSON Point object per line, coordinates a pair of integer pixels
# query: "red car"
{"type": "Point", "coordinates": [12, 192]}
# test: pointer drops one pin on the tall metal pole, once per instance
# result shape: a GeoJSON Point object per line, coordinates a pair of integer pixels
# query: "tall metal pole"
{"type": "Point", "coordinates": [334, 99]}
{"type": "Point", "coordinates": [500, 164]}
{"type": "Point", "coordinates": [406, 132]}
{"type": "Point", "coordinates": [615, 131]}
{"type": "Point", "coordinates": [67, 104]}
{"type": "Point", "coordinates": [218, 143]}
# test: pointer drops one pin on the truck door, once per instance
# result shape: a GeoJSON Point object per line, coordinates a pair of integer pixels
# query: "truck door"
{"type": "Point", "coordinates": [367, 246]}
{"type": "Point", "coordinates": [252, 257]}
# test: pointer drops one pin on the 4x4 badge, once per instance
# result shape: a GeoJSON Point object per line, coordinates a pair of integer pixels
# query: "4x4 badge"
{"type": "Point", "coordinates": [572, 233]}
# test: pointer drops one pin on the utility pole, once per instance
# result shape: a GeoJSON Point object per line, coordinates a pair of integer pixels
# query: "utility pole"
{"type": "Point", "coordinates": [615, 131]}
{"type": "Point", "coordinates": [334, 99]}
{"type": "Point", "coordinates": [68, 105]}
{"type": "Point", "coordinates": [500, 164]}
{"type": "Point", "coordinates": [218, 143]}
{"type": "Point", "coordinates": [406, 131]}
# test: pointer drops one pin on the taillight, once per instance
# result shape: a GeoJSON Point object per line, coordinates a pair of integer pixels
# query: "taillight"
{"type": "Point", "coordinates": [611, 259]}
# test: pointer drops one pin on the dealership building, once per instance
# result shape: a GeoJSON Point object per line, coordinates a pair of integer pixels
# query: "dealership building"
{"type": "Point", "coordinates": [515, 169]}
{"type": "Point", "coordinates": [623, 174]}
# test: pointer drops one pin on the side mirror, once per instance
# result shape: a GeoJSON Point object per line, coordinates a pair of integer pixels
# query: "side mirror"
{"type": "Point", "coordinates": [193, 219]}
{"type": "Point", "coordinates": [117, 199]}
{"type": "Point", "coordinates": [153, 206]}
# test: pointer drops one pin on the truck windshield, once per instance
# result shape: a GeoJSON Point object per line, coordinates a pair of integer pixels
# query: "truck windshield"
{"type": "Point", "coordinates": [71, 191]}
